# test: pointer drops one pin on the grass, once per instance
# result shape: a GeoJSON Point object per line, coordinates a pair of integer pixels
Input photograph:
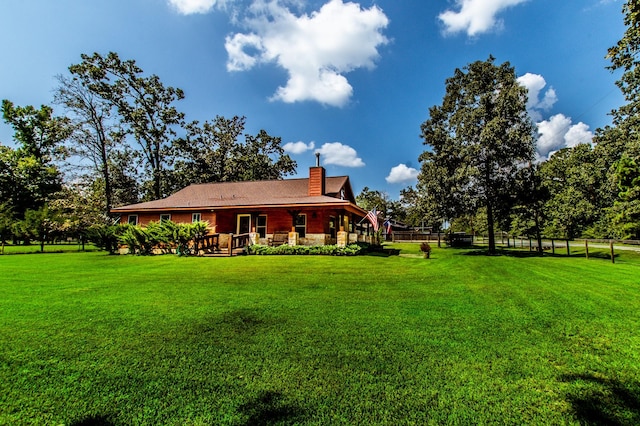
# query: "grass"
{"type": "Point", "coordinates": [87, 338]}
{"type": "Point", "coordinates": [48, 248]}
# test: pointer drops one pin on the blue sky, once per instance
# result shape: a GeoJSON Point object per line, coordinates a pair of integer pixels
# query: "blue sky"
{"type": "Point", "coordinates": [353, 80]}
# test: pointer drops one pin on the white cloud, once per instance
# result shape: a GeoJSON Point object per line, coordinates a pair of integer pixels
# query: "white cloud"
{"type": "Point", "coordinates": [315, 50]}
{"type": "Point", "coordinates": [558, 132]}
{"type": "Point", "coordinates": [402, 173]}
{"type": "Point", "coordinates": [475, 16]}
{"type": "Point", "coordinates": [534, 84]}
{"type": "Point", "coordinates": [577, 134]}
{"type": "Point", "coordinates": [298, 147]}
{"type": "Point", "coordinates": [340, 155]}
{"type": "Point", "coordinates": [188, 7]}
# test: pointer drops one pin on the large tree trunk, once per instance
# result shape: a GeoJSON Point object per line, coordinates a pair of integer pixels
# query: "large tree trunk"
{"type": "Point", "coordinates": [492, 237]}
{"type": "Point", "coordinates": [538, 234]}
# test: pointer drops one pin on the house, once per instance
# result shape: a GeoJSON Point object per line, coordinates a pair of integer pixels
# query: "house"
{"type": "Point", "coordinates": [316, 208]}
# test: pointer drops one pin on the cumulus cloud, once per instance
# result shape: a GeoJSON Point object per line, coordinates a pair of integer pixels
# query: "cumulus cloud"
{"type": "Point", "coordinates": [558, 132]}
{"type": "Point", "coordinates": [188, 7]}
{"type": "Point", "coordinates": [340, 155]}
{"type": "Point", "coordinates": [475, 16]}
{"type": "Point", "coordinates": [536, 105]}
{"type": "Point", "coordinates": [298, 147]}
{"type": "Point", "coordinates": [316, 50]}
{"type": "Point", "coordinates": [401, 173]}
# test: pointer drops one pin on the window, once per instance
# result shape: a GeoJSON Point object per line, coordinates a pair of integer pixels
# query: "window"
{"type": "Point", "coordinates": [132, 219]}
{"type": "Point", "coordinates": [195, 217]}
{"type": "Point", "coordinates": [332, 226]}
{"type": "Point", "coordinates": [261, 226]}
{"type": "Point", "coordinates": [165, 217]}
{"type": "Point", "coordinates": [244, 224]}
{"type": "Point", "coordinates": [301, 225]}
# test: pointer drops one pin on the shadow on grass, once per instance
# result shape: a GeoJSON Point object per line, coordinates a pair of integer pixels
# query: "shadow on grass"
{"type": "Point", "coordinates": [269, 408]}
{"type": "Point", "coordinates": [94, 421]}
{"type": "Point", "coordinates": [483, 251]}
{"type": "Point", "coordinates": [382, 251]}
{"type": "Point", "coordinates": [601, 401]}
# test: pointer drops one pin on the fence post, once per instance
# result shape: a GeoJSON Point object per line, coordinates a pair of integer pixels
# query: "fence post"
{"type": "Point", "coordinates": [568, 249]}
{"type": "Point", "coordinates": [438, 239]}
{"type": "Point", "coordinates": [530, 245]}
{"type": "Point", "coordinates": [553, 246]}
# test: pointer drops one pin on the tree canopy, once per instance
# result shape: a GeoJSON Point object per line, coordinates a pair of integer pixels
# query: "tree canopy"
{"type": "Point", "coordinates": [477, 139]}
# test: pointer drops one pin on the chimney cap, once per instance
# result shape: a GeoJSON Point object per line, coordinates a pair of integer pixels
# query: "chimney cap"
{"type": "Point", "coordinates": [317, 159]}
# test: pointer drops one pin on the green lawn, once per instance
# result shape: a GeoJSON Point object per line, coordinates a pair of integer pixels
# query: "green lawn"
{"type": "Point", "coordinates": [48, 248]}
{"type": "Point", "coordinates": [87, 338]}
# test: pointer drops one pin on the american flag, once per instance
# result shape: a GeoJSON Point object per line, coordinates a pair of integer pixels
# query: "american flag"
{"type": "Point", "coordinates": [372, 216]}
{"type": "Point", "coordinates": [387, 224]}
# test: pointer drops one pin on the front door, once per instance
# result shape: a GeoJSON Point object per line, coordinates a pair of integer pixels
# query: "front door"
{"type": "Point", "coordinates": [244, 224]}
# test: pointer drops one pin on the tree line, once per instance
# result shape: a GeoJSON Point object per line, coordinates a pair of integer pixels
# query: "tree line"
{"type": "Point", "coordinates": [122, 139]}
{"type": "Point", "coordinates": [479, 173]}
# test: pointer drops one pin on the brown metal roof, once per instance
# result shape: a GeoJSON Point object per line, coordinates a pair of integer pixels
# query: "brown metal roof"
{"type": "Point", "coordinates": [289, 192]}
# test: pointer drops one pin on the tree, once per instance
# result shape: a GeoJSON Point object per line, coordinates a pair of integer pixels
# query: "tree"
{"type": "Point", "coordinates": [40, 224]}
{"type": "Point", "coordinates": [477, 138]}
{"type": "Point", "coordinates": [572, 180]}
{"type": "Point", "coordinates": [6, 223]}
{"type": "Point", "coordinates": [623, 138]}
{"type": "Point", "coordinates": [529, 214]}
{"type": "Point", "coordinates": [29, 175]}
{"type": "Point", "coordinates": [144, 104]}
{"type": "Point", "coordinates": [262, 158]}
{"type": "Point", "coordinates": [413, 210]}
{"type": "Point", "coordinates": [95, 137]}
{"type": "Point", "coordinates": [369, 199]}
{"type": "Point", "coordinates": [625, 213]}
{"type": "Point", "coordinates": [211, 152]}
{"type": "Point", "coordinates": [624, 56]}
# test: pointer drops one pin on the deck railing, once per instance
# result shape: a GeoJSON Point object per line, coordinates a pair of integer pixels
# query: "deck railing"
{"type": "Point", "coordinates": [207, 243]}
{"type": "Point", "coordinates": [211, 243]}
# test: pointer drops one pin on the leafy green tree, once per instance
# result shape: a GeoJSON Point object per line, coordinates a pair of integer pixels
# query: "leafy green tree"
{"type": "Point", "coordinates": [620, 144]}
{"type": "Point", "coordinates": [369, 199]}
{"type": "Point", "coordinates": [145, 106]}
{"type": "Point", "coordinates": [6, 221]}
{"type": "Point", "coordinates": [574, 180]}
{"type": "Point", "coordinates": [212, 152]}
{"type": "Point", "coordinates": [262, 157]}
{"type": "Point", "coordinates": [624, 56]}
{"type": "Point", "coordinates": [529, 214]}
{"type": "Point", "coordinates": [625, 213]}
{"type": "Point", "coordinates": [29, 175]}
{"type": "Point", "coordinates": [40, 225]}
{"type": "Point", "coordinates": [477, 139]}
{"type": "Point", "coordinates": [413, 210]}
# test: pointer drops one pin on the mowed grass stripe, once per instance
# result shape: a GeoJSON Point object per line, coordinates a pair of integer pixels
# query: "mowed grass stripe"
{"type": "Point", "coordinates": [456, 339]}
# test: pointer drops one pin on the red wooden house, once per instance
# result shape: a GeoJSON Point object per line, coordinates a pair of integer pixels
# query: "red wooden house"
{"type": "Point", "coordinates": [316, 208]}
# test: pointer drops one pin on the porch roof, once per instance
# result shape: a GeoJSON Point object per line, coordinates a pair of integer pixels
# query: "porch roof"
{"type": "Point", "coordinates": [270, 193]}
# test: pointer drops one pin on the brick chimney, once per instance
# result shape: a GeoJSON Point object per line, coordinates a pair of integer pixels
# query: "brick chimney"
{"type": "Point", "coordinates": [316, 178]}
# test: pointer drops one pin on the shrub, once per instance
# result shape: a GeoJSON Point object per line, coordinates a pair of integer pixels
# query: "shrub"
{"type": "Point", "coordinates": [106, 237]}
{"type": "Point", "coordinates": [328, 250]}
{"type": "Point", "coordinates": [426, 249]}
{"type": "Point", "coordinates": [137, 239]}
